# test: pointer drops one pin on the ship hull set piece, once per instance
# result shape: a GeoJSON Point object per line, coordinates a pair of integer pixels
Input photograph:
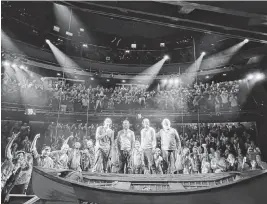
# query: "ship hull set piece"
{"type": "Point", "coordinates": [223, 188]}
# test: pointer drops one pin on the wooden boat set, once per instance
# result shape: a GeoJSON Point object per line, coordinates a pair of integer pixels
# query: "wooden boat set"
{"type": "Point", "coordinates": [222, 188]}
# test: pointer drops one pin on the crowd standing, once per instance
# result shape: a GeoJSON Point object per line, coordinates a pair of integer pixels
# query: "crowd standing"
{"type": "Point", "coordinates": [146, 149]}
{"type": "Point", "coordinates": [78, 97]}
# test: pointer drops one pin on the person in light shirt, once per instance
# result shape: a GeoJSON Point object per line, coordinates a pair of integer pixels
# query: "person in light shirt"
{"type": "Point", "coordinates": [61, 157]}
{"type": "Point", "coordinates": [234, 103]}
{"type": "Point", "coordinates": [43, 160]}
{"type": "Point", "coordinates": [148, 145]}
{"type": "Point", "coordinates": [170, 143]}
{"type": "Point", "coordinates": [104, 142]}
{"type": "Point", "coordinates": [75, 157]}
{"type": "Point", "coordinates": [224, 96]}
{"type": "Point", "coordinates": [158, 161]}
{"type": "Point", "coordinates": [137, 159]}
{"type": "Point", "coordinates": [218, 163]}
{"type": "Point", "coordinates": [125, 142]}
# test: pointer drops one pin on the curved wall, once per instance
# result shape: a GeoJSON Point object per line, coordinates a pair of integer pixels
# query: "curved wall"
{"type": "Point", "coordinates": [209, 64]}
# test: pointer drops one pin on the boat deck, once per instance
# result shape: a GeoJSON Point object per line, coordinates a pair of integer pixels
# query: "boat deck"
{"type": "Point", "coordinates": [248, 188]}
{"type": "Point", "coordinates": [156, 183]}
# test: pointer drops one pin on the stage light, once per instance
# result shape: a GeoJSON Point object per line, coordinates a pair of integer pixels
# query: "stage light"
{"type": "Point", "coordinates": [123, 81]}
{"type": "Point", "coordinates": [203, 53]}
{"type": "Point", "coordinates": [250, 76]}
{"type": "Point", "coordinates": [69, 33]}
{"type": "Point", "coordinates": [47, 41]}
{"type": "Point", "coordinates": [224, 74]}
{"type": "Point", "coordinates": [58, 74]}
{"type": "Point", "coordinates": [162, 44]}
{"type": "Point", "coordinates": [6, 63]}
{"type": "Point", "coordinates": [166, 57]}
{"type": "Point", "coordinates": [207, 77]}
{"type": "Point", "coordinates": [30, 111]}
{"type": "Point", "coordinates": [246, 40]}
{"type": "Point", "coordinates": [127, 51]}
{"type": "Point", "coordinates": [114, 40]}
{"type": "Point", "coordinates": [164, 81]}
{"type": "Point", "coordinates": [108, 80]}
{"type": "Point", "coordinates": [259, 76]}
{"type": "Point", "coordinates": [21, 67]}
{"type": "Point", "coordinates": [82, 29]}
{"type": "Point", "coordinates": [56, 28]}
{"type": "Point", "coordinates": [85, 45]}
{"type": "Point", "coordinates": [14, 65]}
{"type": "Point", "coordinates": [92, 78]}
{"type": "Point", "coordinates": [133, 46]}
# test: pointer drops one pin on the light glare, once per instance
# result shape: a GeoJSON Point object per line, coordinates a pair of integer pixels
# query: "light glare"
{"type": "Point", "coordinates": [14, 65]}
{"type": "Point", "coordinates": [164, 81]}
{"type": "Point", "coordinates": [250, 76]}
{"type": "Point", "coordinates": [259, 76]}
{"type": "Point", "coordinates": [6, 63]}
{"type": "Point", "coordinates": [166, 57]}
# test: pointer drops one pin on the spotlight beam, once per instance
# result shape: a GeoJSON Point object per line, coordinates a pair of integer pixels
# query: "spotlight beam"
{"type": "Point", "coordinates": [191, 72]}
{"type": "Point", "coordinates": [149, 73]}
{"type": "Point", "coordinates": [64, 61]}
{"type": "Point", "coordinates": [224, 56]}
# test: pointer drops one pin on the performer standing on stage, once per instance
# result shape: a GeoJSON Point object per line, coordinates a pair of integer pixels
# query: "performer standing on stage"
{"type": "Point", "coordinates": [125, 142]}
{"type": "Point", "coordinates": [170, 143]}
{"type": "Point", "coordinates": [148, 145]}
{"type": "Point", "coordinates": [104, 142]}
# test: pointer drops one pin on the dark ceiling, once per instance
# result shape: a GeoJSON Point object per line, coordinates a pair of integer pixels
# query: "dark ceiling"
{"type": "Point", "coordinates": [126, 28]}
{"type": "Point", "coordinates": [141, 22]}
{"type": "Point", "coordinates": [259, 7]}
{"type": "Point", "coordinates": [189, 16]}
{"type": "Point", "coordinates": [147, 20]}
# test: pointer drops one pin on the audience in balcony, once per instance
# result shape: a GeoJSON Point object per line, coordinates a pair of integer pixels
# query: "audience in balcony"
{"type": "Point", "coordinates": [78, 97]}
